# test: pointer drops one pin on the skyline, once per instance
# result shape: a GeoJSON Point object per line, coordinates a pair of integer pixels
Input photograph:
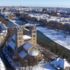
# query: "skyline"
{"type": "Point", "coordinates": [36, 3]}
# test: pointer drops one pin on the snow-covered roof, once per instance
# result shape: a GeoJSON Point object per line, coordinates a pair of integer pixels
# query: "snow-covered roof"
{"type": "Point", "coordinates": [2, 66]}
{"type": "Point", "coordinates": [66, 64]}
{"type": "Point", "coordinates": [43, 65]}
{"type": "Point", "coordinates": [13, 22]}
{"type": "Point", "coordinates": [22, 54]}
{"type": "Point", "coordinates": [19, 22]}
{"type": "Point", "coordinates": [3, 33]}
{"type": "Point", "coordinates": [12, 44]}
{"type": "Point", "coordinates": [54, 65]}
{"type": "Point", "coordinates": [13, 37]}
{"type": "Point", "coordinates": [57, 36]}
{"type": "Point", "coordinates": [29, 24]}
{"type": "Point", "coordinates": [10, 24]}
{"type": "Point", "coordinates": [26, 37]}
{"type": "Point", "coordinates": [3, 30]}
{"type": "Point", "coordinates": [27, 46]}
{"type": "Point", "coordinates": [60, 63]}
{"type": "Point", "coordinates": [2, 27]}
{"type": "Point", "coordinates": [31, 51]}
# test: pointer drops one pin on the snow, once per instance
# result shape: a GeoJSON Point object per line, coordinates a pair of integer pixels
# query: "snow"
{"type": "Point", "coordinates": [14, 22]}
{"type": "Point", "coordinates": [28, 24]}
{"type": "Point", "coordinates": [57, 36]}
{"type": "Point", "coordinates": [2, 66]}
{"type": "Point", "coordinates": [11, 44]}
{"type": "Point", "coordinates": [40, 68]}
{"type": "Point", "coordinates": [27, 46]}
{"type": "Point", "coordinates": [66, 64]}
{"type": "Point", "coordinates": [58, 63]}
{"type": "Point", "coordinates": [10, 24]}
{"type": "Point", "coordinates": [54, 65]}
{"type": "Point", "coordinates": [2, 27]}
{"type": "Point", "coordinates": [33, 52]}
{"type": "Point", "coordinates": [22, 54]}
{"type": "Point", "coordinates": [14, 37]}
{"type": "Point", "coordinates": [50, 18]}
{"type": "Point", "coordinates": [3, 30]}
{"type": "Point", "coordinates": [3, 33]}
{"type": "Point", "coordinates": [26, 37]}
{"type": "Point", "coordinates": [43, 66]}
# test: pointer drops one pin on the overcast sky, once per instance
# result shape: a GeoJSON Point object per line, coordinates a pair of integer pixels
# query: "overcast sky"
{"type": "Point", "coordinates": [40, 3]}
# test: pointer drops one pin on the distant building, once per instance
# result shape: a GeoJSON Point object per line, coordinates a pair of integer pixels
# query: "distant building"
{"type": "Point", "coordinates": [3, 33]}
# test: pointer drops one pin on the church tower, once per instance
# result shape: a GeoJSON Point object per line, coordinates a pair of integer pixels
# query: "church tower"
{"type": "Point", "coordinates": [20, 40]}
{"type": "Point", "coordinates": [34, 36]}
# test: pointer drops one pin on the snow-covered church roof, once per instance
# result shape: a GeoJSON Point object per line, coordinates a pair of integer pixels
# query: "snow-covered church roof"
{"type": "Point", "coordinates": [31, 50]}
{"type": "Point", "coordinates": [26, 37]}
{"type": "Point", "coordinates": [27, 46]}
{"type": "Point", "coordinates": [12, 41]}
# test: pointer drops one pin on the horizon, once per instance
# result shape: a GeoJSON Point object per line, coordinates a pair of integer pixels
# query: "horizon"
{"type": "Point", "coordinates": [35, 7]}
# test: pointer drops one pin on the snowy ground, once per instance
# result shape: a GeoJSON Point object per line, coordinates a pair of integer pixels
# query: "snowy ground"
{"type": "Point", "coordinates": [2, 66]}
{"type": "Point", "coordinates": [57, 36]}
